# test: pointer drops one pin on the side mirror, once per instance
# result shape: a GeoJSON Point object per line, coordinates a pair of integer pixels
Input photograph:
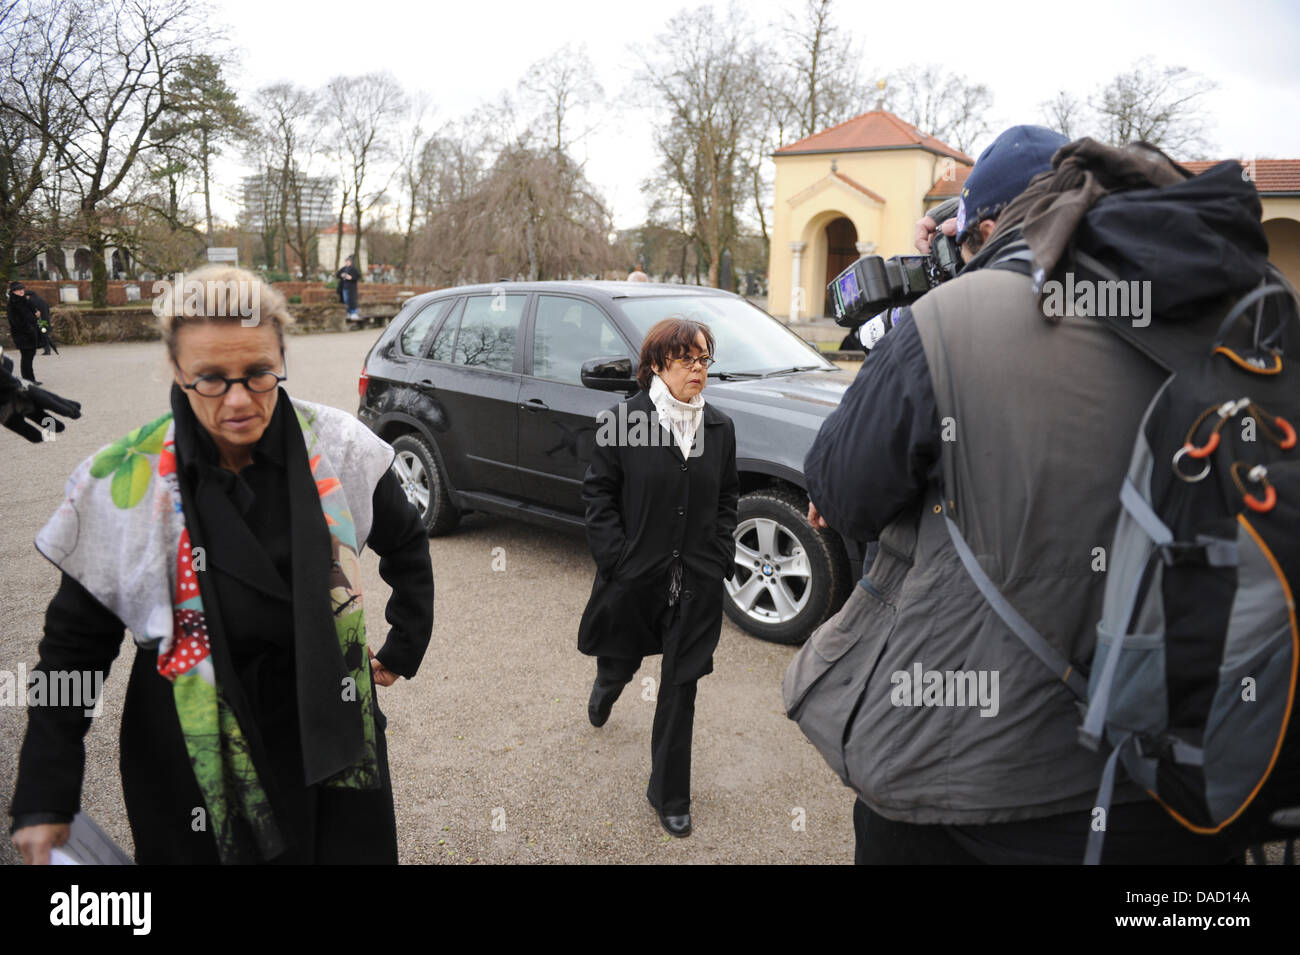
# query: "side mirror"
{"type": "Point", "coordinates": [609, 374]}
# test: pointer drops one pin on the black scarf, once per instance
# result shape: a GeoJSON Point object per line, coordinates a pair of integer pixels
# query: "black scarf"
{"type": "Point", "coordinates": [332, 735]}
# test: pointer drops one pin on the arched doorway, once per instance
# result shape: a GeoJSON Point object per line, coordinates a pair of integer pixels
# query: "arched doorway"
{"type": "Point", "coordinates": [82, 262]}
{"type": "Point", "coordinates": [1284, 246]}
{"type": "Point", "coordinates": [841, 252]}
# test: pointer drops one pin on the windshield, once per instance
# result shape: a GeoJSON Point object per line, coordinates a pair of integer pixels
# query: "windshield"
{"type": "Point", "coordinates": [747, 339]}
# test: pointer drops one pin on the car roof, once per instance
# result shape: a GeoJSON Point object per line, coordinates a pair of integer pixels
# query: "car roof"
{"type": "Point", "coordinates": [607, 289]}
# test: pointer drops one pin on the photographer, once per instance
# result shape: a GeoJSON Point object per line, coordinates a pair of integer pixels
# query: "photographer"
{"type": "Point", "coordinates": [1020, 429]}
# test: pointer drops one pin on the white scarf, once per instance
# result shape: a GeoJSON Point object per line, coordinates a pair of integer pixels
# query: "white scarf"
{"type": "Point", "coordinates": [681, 418]}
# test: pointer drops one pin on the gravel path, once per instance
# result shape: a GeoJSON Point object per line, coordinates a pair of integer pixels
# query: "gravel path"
{"type": "Point", "coordinates": [492, 757]}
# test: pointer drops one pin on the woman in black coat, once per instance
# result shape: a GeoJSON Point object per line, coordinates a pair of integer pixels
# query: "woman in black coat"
{"type": "Point", "coordinates": [660, 521]}
{"type": "Point", "coordinates": [263, 483]}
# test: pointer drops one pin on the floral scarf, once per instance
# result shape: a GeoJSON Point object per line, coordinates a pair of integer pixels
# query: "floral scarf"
{"type": "Point", "coordinates": [123, 515]}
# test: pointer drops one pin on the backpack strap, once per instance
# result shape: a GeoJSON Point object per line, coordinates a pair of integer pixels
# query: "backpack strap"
{"type": "Point", "coordinates": [1065, 671]}
{"type": "Point", "coordinates": [1097, 837]}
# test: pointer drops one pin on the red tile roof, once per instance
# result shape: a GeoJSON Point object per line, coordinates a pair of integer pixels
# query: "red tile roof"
{"type": "Point", "coordinates": [858, 186]}
{"type": "Point", "coordinates": [878, 129]}
{"type": "Point", "coordinates": [947, 188]}
{"type": "Point", "coordinates": [1271, 175]}
{"type": "Point", "coordinates": [333, 230]}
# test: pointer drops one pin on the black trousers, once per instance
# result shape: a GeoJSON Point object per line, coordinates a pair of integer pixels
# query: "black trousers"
{"type": "Point", "coordinates": [670, 740]}
{"type": "Point", "coordinates": [27, 355]}
{"type": "Point", "coordinates": [1138, 833]}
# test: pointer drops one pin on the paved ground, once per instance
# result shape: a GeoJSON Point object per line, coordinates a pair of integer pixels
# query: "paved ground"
{"type": "Point", "coordinates": [494, 727]}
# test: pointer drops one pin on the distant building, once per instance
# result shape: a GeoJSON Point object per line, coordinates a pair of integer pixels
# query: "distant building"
{"type": "Point", "coordinates": [859, 187]}
{"type": "Point", "coordinates": [76, 262]}
{"type": "Point", "coordinates": [261, 201]}
{"type": "Point", "coordinates": [329, 244]}
{"type": "Point", "coordinates": [851, 190]}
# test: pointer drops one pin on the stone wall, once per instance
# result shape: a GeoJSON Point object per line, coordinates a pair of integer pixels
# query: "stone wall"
{"type": "Point", "coordinates": [86, 326]}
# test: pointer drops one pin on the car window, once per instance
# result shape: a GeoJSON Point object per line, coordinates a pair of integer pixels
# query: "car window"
{"type": "Point", "coordinates": [567, 332]}
{"type": "Point", "coordinates": [417, 329]}
{"type": "Point", "coordinates": [746, 339]}
{"type": "Point", "coordinates": [489, 325]}
{"type": "Point", "coordinates": [446, 337]}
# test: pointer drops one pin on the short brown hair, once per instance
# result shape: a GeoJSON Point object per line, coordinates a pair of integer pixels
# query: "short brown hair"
{"type": "Point", "coordinates": [215, 293]}
{"type": "Point", "coordinates": [669, 338]}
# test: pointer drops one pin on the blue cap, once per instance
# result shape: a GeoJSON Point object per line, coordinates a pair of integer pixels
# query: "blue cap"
{"type": "Point", "coordinates": [1003, 171]}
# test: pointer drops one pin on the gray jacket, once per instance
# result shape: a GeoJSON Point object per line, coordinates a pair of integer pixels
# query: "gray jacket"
{"type": "Point", "coordinates": [932, 710]}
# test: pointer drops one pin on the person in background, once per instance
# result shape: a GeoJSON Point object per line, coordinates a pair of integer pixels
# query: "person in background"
{"type": "Point", "coordinates": [29, 322]}
{"type": "Point", "coordinates": [348, 277]}
{"type": "Point", "coordinates": [636, 275]}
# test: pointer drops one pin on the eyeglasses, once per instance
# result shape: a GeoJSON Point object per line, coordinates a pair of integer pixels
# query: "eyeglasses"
{"type": "Point", "coordinates": [690, 361]}
{"type": "Point", "coordinates": [214, 386]}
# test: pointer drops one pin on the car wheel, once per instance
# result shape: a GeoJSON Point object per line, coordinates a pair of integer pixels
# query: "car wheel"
{"type": "Point", "coordinates": [789, 575]}
{"type": "Point", "coordinates": [416, 467]}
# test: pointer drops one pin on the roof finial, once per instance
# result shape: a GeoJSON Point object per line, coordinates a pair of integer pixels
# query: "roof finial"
{"type": "Point", "coordinates": [880, 100]}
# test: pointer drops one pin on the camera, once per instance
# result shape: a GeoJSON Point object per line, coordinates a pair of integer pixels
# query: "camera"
{"type": "Point", "coordinates": [873, 284]}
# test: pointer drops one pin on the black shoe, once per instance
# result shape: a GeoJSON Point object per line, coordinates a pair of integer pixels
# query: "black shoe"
{"type": "Point", "coordinates": [600, 703]}
{"type": "Point", "coordinates": [679, 826]}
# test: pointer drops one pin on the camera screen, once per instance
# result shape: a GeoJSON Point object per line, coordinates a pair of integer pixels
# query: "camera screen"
{"type": "Point", "coordinates": [848, 287]}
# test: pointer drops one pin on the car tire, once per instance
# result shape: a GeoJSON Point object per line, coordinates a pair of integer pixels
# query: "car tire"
{"type": "Point", "coordinates": [789, 575]}
{"type": "Point", "coordinates": [425, 484]}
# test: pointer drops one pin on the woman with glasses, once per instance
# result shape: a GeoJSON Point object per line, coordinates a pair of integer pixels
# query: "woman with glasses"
{"type": "Point", "coordinates": [225, 536]}
{"type": "Point", "coordinates": [661, 495]}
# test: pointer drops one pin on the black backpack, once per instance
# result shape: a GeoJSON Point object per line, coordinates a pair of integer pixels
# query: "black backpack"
{"type": "Point", "coordinates": [1193, 682]}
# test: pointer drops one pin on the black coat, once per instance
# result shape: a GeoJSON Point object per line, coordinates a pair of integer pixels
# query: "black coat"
{"type": "Point", "coordinates": [24, 313]}
{"type": "Point", "coordinates": [646, 507]}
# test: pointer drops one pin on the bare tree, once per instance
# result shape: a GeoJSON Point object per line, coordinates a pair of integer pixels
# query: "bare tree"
{"type": "Point", "coordinates": [532, 215]}
{"type": "Point", "coordinates": [452, 167]}
{"type": "Point", "coordinates": [1159, 105]}
{"type": "Point", "coordinates": [823, 83]}
{"type": "Point", "coordinates": [708, 84]}
{"type": "Point", "coordinates": [1064, 113]}
{"type": "Point", "coordinates": [411, 170]}
{"type": "Point", "coordinates": [946, 105]}
{"type": "Point", "coordinates": [361, 110]}
{"type": "Point", "coordinates": [286, 137]}
{"type": "Point", "coordinates": [563, 87]}
{"type": "Point", "coordinates": [131, 50]}
{"type": "Point", "coordinates": [36, 119]}
{"type": "Point", "coordinates": [817, 83]}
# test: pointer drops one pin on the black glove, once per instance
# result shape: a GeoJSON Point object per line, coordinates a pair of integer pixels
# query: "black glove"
{"type": "Point", "coordinates": [22, 403]}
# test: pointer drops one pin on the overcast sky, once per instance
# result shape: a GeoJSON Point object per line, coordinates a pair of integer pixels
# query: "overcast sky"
{"type": "Point", "coordinates": [464, 53]}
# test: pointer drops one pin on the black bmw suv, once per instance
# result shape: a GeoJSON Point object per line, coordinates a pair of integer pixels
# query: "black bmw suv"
{"type": "Point", "coordinates": [490, 393]}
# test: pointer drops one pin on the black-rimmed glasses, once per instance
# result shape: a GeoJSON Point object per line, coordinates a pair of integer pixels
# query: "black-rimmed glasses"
{"type": "Point", "coordinates": [690, 361]}
{"type": "Point", "coordinates": [214, 386]}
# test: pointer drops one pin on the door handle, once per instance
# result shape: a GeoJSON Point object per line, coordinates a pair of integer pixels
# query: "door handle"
{"type": "Point", "coordinates": [425, 384]}
{"type": "Point", "coordinates": [535, 404]}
